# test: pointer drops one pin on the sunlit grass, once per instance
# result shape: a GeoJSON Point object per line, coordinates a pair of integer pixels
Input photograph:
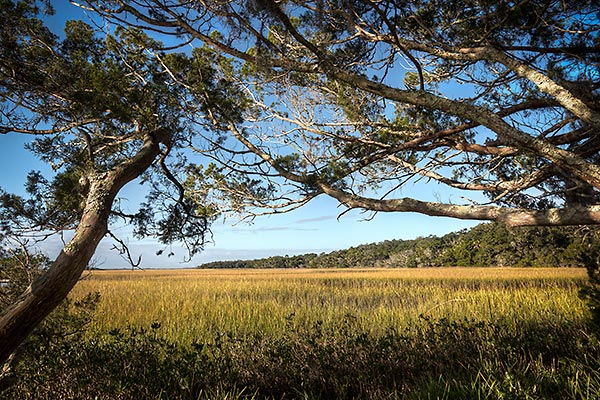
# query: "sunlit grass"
{"type": "Point", "coordinates": [197, 305]}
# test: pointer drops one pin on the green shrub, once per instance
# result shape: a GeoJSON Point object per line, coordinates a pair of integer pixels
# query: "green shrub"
{"type": "Point", "coordinates": [436, 359]}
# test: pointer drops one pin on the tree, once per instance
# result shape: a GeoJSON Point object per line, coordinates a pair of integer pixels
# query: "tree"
{"type": "Point", "coordinates": [495, 100]}
{"type": "Point", "coordinates": [103, 112]}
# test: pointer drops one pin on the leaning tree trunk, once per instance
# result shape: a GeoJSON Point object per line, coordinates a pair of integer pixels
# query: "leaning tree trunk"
{"type": "Point", "coordinates": [47, 292]}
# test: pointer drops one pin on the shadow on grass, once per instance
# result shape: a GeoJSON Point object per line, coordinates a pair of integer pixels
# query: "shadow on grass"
{"type": "Point", "coordinates": [436, 359]}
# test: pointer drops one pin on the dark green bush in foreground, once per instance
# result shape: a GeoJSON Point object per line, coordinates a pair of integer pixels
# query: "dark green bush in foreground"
{"type": "Point", "coordinates": [437, 359]}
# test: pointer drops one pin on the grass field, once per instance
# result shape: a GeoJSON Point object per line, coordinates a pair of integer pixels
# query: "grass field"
{"type": "Point", "coordinates": [439, 333]}
{"type": "Point", "coordinates": [194, 305]}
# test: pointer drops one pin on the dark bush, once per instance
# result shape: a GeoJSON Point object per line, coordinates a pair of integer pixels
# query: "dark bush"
{"type": "Point", "coordinates": [436, 359]}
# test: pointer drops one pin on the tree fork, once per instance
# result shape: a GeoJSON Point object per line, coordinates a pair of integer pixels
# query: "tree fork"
{"type": "Point", "coordinates": [46, 292]}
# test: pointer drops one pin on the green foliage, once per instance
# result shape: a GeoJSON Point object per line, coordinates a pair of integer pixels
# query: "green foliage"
{"type": "Point", "coordinates": [434, 359]}
{"type": "Point", "coordinates": [52, 205]}
{"type": "Point", "coordinates": [301, 261]}
{"type": "Point", "coordinates": [591, 260]}
{"type": "Point", "coordinates": [19, 268]}
{"type": "Point", "coordinates": [484, 245]}
{"type": "Point", "coordinates": [90, 100]}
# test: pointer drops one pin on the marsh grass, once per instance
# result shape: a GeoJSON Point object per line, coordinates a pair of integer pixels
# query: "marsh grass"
{"type": "Point", "coordinates": [195, 305]}
{"type": "Point", "coordinates": [447, 333]}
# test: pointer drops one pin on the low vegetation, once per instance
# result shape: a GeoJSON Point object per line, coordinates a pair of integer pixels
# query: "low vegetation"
{"type": "Point", "coordinates": [345, 333]}
{"type": "Point", "coordinates": [490, 244]}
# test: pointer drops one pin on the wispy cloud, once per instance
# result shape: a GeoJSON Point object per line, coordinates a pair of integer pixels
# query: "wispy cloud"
{"type": "Point", "coordinates": [273, 229]}
{"type": "Point", "coordinates": [286, 228]}
{"type": "Point", "coordinates": [315, 219]}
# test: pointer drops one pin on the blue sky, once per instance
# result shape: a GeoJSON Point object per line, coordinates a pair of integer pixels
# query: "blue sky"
{"type": "Point", "coordinates": [313, 228]}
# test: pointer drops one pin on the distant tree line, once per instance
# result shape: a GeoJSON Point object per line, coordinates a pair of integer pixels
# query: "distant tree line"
{"type": "Point", "coordinates": [489, 244]}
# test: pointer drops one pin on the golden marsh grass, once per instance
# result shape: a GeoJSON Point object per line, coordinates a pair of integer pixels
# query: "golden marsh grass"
{"type": "Point", "coordinates": [196, 305]}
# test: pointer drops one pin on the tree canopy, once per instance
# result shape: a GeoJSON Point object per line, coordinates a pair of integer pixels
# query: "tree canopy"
{"type": "Point", "coordinates": [103, 111]}
{"type": "Point", "coordinates": [358, 100]}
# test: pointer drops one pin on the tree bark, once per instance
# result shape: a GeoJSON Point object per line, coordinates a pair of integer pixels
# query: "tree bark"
{"type": "Point", "coordinates": [509, 216]}
{"type": "Point", "coordinates": [46, 293]}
